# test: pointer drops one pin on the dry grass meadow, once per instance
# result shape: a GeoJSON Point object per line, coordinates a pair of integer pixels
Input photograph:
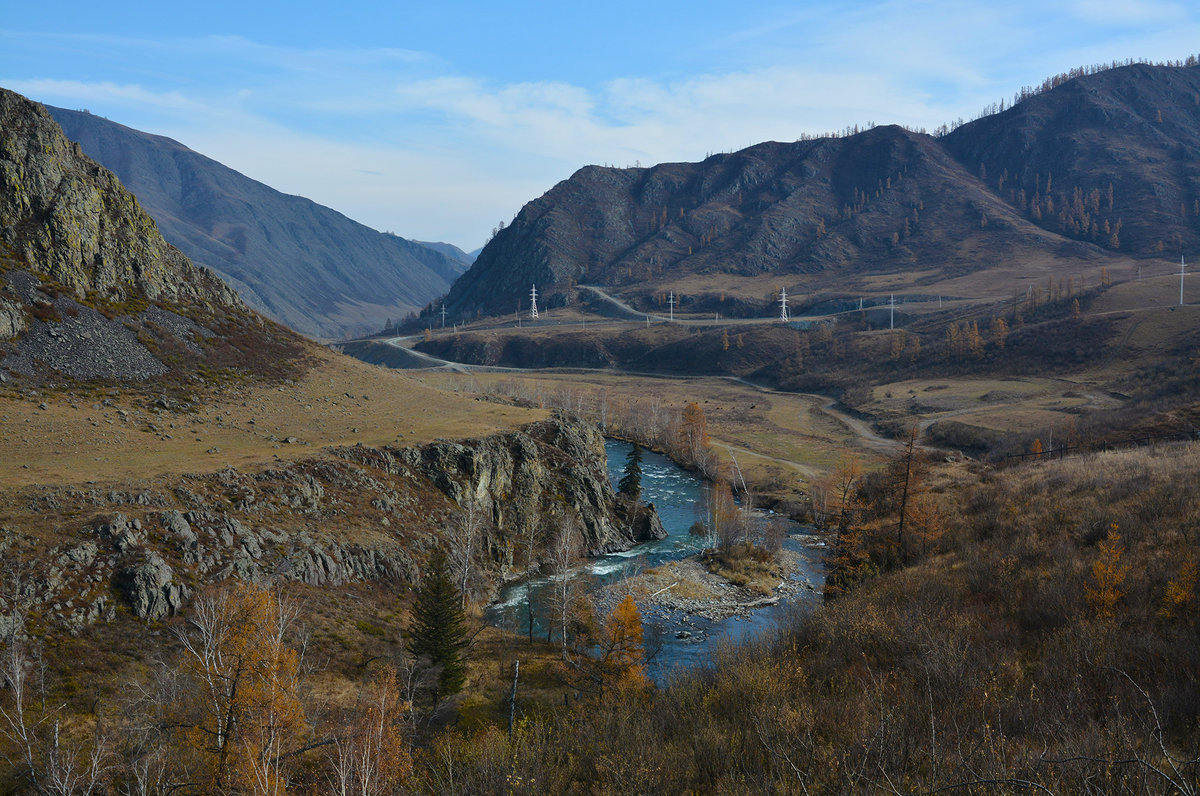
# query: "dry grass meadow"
{"type": "Point", "coordinates": [108, 434]}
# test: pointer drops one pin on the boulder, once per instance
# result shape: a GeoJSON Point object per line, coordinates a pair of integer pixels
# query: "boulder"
{"type": "Point", "coordinates": [149, 588]}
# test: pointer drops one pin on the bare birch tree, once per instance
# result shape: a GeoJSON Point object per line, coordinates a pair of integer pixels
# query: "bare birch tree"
{"type": "Point", "coordinates": [465, 535]}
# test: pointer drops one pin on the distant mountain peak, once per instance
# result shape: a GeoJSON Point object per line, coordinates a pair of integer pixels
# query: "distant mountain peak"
{"type": "Point", "coordinates": [305, 265]}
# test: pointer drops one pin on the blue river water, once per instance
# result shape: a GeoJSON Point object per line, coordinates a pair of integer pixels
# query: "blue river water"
{"type": "Point", "coordinates": [676, 494]}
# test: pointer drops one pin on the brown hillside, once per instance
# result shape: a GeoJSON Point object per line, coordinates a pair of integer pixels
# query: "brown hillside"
{"type": "Point", "coordinates": [1026, 189]}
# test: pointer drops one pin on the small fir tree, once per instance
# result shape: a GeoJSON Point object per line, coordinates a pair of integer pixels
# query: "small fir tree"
{"type": "Point", "coordinates": [630, 484]}
{"type": "Point", "coordinates": [439, 627]}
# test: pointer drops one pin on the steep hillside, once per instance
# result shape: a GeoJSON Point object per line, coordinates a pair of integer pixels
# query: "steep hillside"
{"type": "Point", "coordinates": [1111, 158]}
{"type": "Point", "coordinates": [89, 288]}
{"type": "Point", "coordinates": [300, 263]}
{"type": "Point", "coordinates": [1027, 189]}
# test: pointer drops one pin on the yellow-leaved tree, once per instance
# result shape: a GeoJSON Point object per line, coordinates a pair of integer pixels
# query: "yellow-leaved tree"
{"type": "Point", "coordinates": [622, 654]}
{"type": "Point", "coordinates": [243, 714]}
{"type": "Point", "coordinates": [693, 435]}
{"type": "Point", "coordinates": [1180, 597]}
{"type": "Point", "coordinates": [371, 757]}
{"type": "Point", "coordinates": [1108, 573]}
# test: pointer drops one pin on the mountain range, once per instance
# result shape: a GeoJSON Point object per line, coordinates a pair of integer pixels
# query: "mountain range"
{"type": "Point", "coordinates": [298, 262]}
{"type": "Point", "coordinates": [1096, 169]}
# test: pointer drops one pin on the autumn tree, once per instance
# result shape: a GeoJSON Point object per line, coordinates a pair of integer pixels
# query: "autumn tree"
{"type": "Point", "coordinates": [438, 632]}
{"type": "Point", "coordinates": [1108, 576]}
{"type": "Point", "coordinates": [370, 755]}
{"type": "Point", "coordinates": [567, 590]}
{"type": "Point", "coordinates": [914, 348]}
{"type": "Point", "coordinates": [693, 435]}
{"type": "Point", "coordinates": [1180, 596]}
{"type": "Point", "coordinates": [974, 340]}
{"type": "Point", "coordinates": [849, 562]}
{"type": "Point", "coordinates": [836, 495]}
{"type": "Point", "coordinates": [464, 536]}
{"type": "Point", "coordinates": [723, 521]}
{"type": "Point", "coordinates": [999, 332]}
{"type": "Point", "coordinates": [33, 740]}
{"type": "Point", "coordinates": [243, 711]}
{"type": "Point", "coordinates": [622, 655]}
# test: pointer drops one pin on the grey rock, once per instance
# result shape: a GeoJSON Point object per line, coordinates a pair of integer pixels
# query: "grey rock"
{"type": "Point", "coordinates": [176, 525]}
{"type": "Point", "coordinates": [12, 321]}
{"type": "Point", "coordinates": [149, 588]}
{"type": "Point", "coordinates": [75, 222]}
{"type": "Point", "coordinates": [120, 532]}
{"type": "Point", "coordinates": [83, 555]}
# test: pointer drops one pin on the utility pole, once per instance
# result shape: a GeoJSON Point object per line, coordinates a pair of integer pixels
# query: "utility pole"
{"type": "Point", "coordinates": [783, 307]}
{"type": "Point", "coordinates": [671, 305]}
{"type": "Point", "coordinates": [1181, 272]}
{"type": "Point", "coordinates": [533, 313]}
{"type": "Point", "coordinates": [443, 316]}
{"type": "Point", "coordinates": [892, 321]}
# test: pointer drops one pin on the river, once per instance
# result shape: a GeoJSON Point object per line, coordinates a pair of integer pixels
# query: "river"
{"type": "Point", "coordinates": [676, 494]}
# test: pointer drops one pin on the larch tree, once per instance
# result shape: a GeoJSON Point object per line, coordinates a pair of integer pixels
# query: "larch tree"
{"type": "Point", "coordinates": [622, 656]}
{"type": "Point", "coordinates": [1108, 576]}
{"type": "Point", "coordinates": [999, 332]}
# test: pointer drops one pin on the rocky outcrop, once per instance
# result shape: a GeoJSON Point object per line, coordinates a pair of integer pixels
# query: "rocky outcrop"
{"type": "Point", "coordinates": [69, 219]}
{"type": "Point", "coordinates": [150, 589]}
{"type": "Point", "coordinates": [12, 319]}
{"type": "Point", "coordinates": [362, 514]}
{"type": "Point", "coordinates": [641, 519]}
{"type": "Point", "coordinates": [89, 290]}
{"type": "Point", "coordinates": [531, 479]}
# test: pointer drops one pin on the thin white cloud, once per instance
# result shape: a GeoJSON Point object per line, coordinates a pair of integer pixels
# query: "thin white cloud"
{"type": "Point", "coordinates": [122, 95]}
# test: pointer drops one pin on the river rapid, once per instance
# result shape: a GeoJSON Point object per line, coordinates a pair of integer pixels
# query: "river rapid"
{"type": "Point", "coordinates": [686, 640]}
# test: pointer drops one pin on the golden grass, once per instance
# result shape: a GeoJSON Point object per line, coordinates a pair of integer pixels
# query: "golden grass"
{"type": "Point", "coordinates": [340, 401]}
{"type": "Point", "coordinates": [746, 566]}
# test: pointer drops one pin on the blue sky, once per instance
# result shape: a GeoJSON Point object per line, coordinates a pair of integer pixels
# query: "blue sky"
{"type": "Point", "coordinates": [436, 121]}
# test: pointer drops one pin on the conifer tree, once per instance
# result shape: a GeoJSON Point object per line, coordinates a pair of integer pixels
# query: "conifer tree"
{"type": "Point", "coordinates": [630, 484]}
{"type": "Point", "coordinates": [439, 627]}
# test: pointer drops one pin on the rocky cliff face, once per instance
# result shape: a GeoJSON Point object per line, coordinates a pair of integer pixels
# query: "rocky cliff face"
{"type": "Point", "coordinates": [67, 218]}
{"type": "Point", "coordinates": [528, 480]}
{"type": "Point", "coordinates": [88, 287]}
{"type": "Point", "coordinates": [360, 514]}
